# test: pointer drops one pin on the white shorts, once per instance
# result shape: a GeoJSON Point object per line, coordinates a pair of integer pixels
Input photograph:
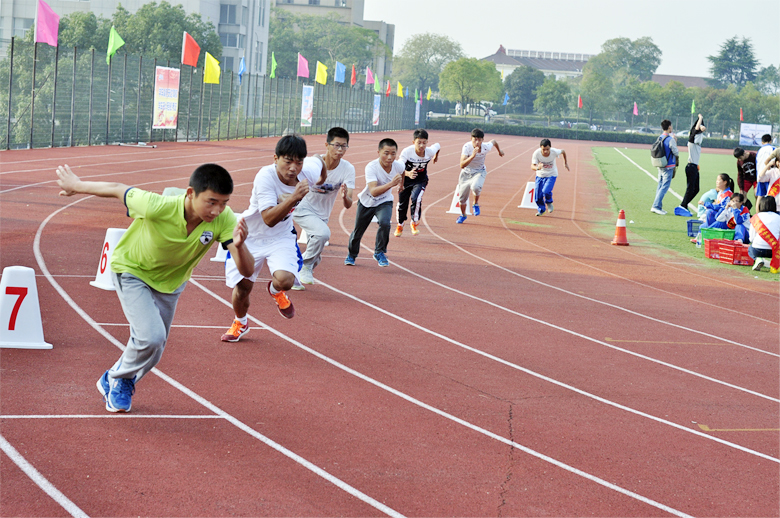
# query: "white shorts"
{"type": "Point", "coordinates": [468, 182]}
{"type": "Point", "coordinates": [280, 253]}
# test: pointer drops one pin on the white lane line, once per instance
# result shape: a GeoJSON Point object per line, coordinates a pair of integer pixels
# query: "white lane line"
{"type": "Point", "coordinates": [184, 326]}
{"type": "Point", "coordinates": [234, 421]}
{"type": "Point", "coordinates": [40, 481]}
{"type": "Point", "coordinates": [655, 178]}
{"type": "Point", "coordinates": [451, 417]}
{"type": "Point", "coordinates": [544, 377]}
{"type": "Point", "coordinates": [110, 416]}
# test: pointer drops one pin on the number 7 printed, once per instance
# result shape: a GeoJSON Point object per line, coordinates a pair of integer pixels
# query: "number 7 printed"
{"type": "Point", "coordinates": [21, 293]}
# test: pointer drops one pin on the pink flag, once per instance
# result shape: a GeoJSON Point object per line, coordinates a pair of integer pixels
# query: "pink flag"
{"type": "Point", "coordinates": [47, 24]}
{"type": "Point", "coordinates": [369, 77]}
{"type": "Point", "coordinates": [303, 66]}
{"type": "Point", "coordinates": [636, 110]}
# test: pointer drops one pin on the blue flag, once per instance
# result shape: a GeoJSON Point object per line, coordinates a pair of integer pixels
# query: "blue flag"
{"type": "Point", "coordinates": [506, 99]}
{"type": "Point", "coordinates": [341, 71]}
{"type": "Point", "coordinates": [407, 92]}
{"type": "Point", "coordinates": [241, 70]}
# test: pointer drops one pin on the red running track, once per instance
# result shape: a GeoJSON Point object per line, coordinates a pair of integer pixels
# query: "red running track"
{"type": "Point", "coordinates": [509, 366]}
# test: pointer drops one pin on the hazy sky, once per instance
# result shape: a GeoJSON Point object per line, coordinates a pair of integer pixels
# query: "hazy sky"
{"type": "Point", "coordinates": [685, 31]}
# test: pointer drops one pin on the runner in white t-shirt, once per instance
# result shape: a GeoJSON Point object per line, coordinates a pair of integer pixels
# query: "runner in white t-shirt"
{"type": "Point", "coordinates": [376, 199]}
{"type": "Point", "coordinates": [277, 190]}
{"type": "Point", "coordinates": [313, 212]}
{"type": "Point", "coordinates": [543, 163]}
{"type": "Point", "coordinates": [473, 172]}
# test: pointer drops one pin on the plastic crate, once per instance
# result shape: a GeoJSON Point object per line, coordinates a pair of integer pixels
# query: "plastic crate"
{"type": "Point", "coordinates": [717, 233]}
{"type": "Point", "coordinates": [712, 247]}
{"type": "Point", "coordinates": [734, 253]}
{"type": "Point", "coordinates": [693, 227]}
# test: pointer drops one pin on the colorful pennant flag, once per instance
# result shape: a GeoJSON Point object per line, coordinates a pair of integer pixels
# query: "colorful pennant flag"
{"type": "Point", "coordinates": [506, 98]}
{"type": "Point", "coordinates": [341, 72]}
{"type": "Point", "coordinates": [47, 24]}
{"type": "Point", "coordinates": [429, 94]}
{"type": "Point", "coordinates": [400, 90]}
{"type": "Point", "coordinates": [693, 106]}
{"type": "Point", "coordinates": [114, 42]}
{"type": "Point", "coordinates": [241, 69]}
{"type": "Point", "coordinates": [416, 96]}
{"type": "Point", "coordinates": [354, 76]}
{"type": "Point", "coordinates": [211, 70]}
{"type": "Point", "coordinates": [303, 66]}
{"type": "Point", "coordinates": [377, 87]}
{"type": "Point", "coordinates": [387, 93]}
{"type": "Point", "coordinates": [740, 115]}
{"type": "Point", "coordinates": [190, 51]}
{"type": "Point", "coordinates": [321, 74]}
{"type": "Point", "coordinates": [636, 109]}
{"type": "Point", "coordinates": [369, 76]}
{"type": "Point", "coordinates": [273, 65]}
{"type": "Point", "coordinates": [579, 102]}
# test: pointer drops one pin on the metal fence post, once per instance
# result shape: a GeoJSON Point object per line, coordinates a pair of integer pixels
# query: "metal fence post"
{"type": "Point", "coordinates": [91, 83]}
{"type": "Point", "coordinates": [10, 84]}
{"type": "Point", "coordinates": [32, 100]}
{"type": "Point", "coordinates": [73, 98]}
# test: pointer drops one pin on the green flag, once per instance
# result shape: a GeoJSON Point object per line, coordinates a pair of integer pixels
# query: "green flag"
{"type": "Point", "coordinates": [114, 42]}
{"type": "Point", "coordinates": [693, 106]}
{"type": "Point", "coordinates": [273, 66]}
{"type": "Point", "coordinates": [377, 86]}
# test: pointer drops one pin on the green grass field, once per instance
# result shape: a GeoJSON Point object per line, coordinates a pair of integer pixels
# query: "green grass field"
{"type": "Point", "coordinates": [633, 190]}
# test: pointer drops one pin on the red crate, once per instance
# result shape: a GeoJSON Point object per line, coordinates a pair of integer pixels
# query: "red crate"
{"type": "Point", "coordinates": [712, 247]}
{"type": "Point", "coordinates": [734, 253]}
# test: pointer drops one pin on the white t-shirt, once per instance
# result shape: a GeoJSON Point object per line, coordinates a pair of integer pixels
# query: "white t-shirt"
{"type": "Point", "coordinates": [772, 222]}
{"type": "Point", "coordinates": [413, 162]}
{"type": "Point", "coordinates": [549, 168]}
{"type": "Point", "coordinates": [269, 191]}
{"type": "Point", "coordinates": [478, 164]}
{"type": "Point", "coordinates": [771, 176]}
{"type": "Point", "coordinates": [762, 154]}
{"type": "Point", "coordinates": [376, 173]}
{"type": "Point", "coordinates": [321, 198]}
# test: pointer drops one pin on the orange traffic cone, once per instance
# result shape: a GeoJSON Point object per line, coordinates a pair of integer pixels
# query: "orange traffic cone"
{"type": "Point", "coordinates": [620, 230]}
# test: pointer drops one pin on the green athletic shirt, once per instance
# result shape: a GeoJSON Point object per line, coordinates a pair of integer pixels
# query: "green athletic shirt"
{"type": "Point", "coordinates": [156, 247]}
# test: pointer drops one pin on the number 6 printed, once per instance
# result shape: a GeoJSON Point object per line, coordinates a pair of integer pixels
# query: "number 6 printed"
{"type": "Point", "coordinates": [21, 293]}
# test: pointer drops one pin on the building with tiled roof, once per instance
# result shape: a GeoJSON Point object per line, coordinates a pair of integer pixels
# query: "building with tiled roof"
{"type": "Point", "coordinates": [559, 64]}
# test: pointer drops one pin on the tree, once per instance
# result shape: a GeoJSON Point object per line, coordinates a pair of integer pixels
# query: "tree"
{"type": "Point", "coordinates": [639, 58]}
{"type": "Point", "coordinates": [552, 98]}
{"type": "Point", "coordinates": [521, 85]}
{"type": "Point", "coordinates": [422, 58]}
{"type": "Point", "coordinates": [320, 38]}
{"type": "Point", "coordinates": [735, 64]}
{"type": "Point", "coordinates": [597, 84]}
{"type": "Point", "coordinates": [470, 80]}
{"type": "Point", "coordinates": [768, 80]}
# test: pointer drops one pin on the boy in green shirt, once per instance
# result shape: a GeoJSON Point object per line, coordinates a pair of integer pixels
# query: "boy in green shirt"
{"type": "Point", "coordinates": [154, 259]}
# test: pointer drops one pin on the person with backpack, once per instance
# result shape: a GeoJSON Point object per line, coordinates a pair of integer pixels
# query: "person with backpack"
{"type": "Point", "coordinates": [666, 164]}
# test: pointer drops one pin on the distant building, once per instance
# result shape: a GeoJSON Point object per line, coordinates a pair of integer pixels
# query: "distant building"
{"type": "Point", "coordinates": [350, 12]}
{"type": "Point", "coordinates": [687, 81]}
{"type": "Point", "coordinates": [558, 64]}
{"type": "Point", "coordinates": [242, 24]}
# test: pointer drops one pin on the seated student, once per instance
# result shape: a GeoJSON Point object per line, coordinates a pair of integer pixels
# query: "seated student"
{"type": "Point", "coordinates": [725, 186]}
{"type": "Point", "coordinates": [735, 215]}
{"type": "Point", "coordinates": [764, 235]}
{"type": "Point", "coordinates": [708, 197]}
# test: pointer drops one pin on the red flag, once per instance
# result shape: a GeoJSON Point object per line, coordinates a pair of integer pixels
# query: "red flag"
{"type": "Point", "coordinates": [387, 94]}
{"type": "Point", "coordinates": [354, 76]}
{"type": "Point", "coordinates": [579, 101]}
{"type": "Point", "coordinates": [740, 115]}
{"type": "Point", "coordinates": [190, 51]}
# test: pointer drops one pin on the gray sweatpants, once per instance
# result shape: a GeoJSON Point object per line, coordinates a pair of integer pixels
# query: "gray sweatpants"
{"type": "Point", "coordinates": [150, 314]}
{"type": "Point", "coordinates": [317, 234]}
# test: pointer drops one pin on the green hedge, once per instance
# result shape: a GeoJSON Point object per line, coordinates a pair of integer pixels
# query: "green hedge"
{"type": "Point", "coordinates": [553, 132]}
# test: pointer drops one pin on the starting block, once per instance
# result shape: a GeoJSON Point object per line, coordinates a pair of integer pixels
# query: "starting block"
{"type": "Point", "coordinates": [455, 205]}
{"type": "Point", "coordinates": [20, 310]}
{"type": "Point", "coordinates": [221, 256]}
{"type": "Point", "coordinates": [103, 276]}
{"type": "Point", "coordinates": [528, 197]}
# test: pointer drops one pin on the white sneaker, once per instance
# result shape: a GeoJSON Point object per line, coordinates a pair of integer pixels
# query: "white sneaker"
{"type": "Point", "coordinates": [658, 211]}
{"type": "Point", "coordinates": [758, 264]}
{"type": "Point", "coordinates": [306, 276]}
{"type": "Point", "coordinates": [297, 286]}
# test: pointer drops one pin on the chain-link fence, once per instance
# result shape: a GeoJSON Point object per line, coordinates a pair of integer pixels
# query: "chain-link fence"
{"type": "Point", "coordinates": [73, 98]}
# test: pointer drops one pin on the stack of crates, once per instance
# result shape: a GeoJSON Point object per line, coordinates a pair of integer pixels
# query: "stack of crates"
{"type": "Point", "coordinates": [732, 252]}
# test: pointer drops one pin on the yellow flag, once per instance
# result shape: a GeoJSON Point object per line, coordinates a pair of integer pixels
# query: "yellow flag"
{"type": "Point", "coordinates": [211, 71]}
{"type": "Point", "coordinates": [322, 74]}
{"type": "Point", "coordinates": [429, 94]}
{"type": "Point", "coordinates": [400, 91]}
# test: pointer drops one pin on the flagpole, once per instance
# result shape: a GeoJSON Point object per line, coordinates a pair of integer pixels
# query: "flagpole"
{"type": "Point", "coordinates": [54, 93]}
{"type": "Point", "coordinates": [108, 100]}
{"type": "Point", "coordinates": [10, 92]}
{"type": "Point", "coordinates": [32, 101]}
{"type": "Point", "coordinates": [189, 102]}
